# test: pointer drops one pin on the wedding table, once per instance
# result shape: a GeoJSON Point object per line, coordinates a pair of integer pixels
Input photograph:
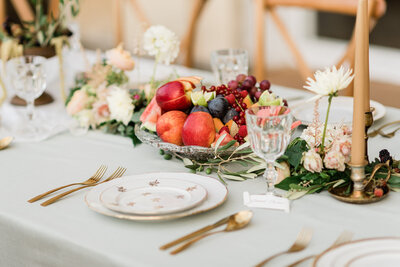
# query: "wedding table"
{"type": "Point", "coordinates": [68, 233]}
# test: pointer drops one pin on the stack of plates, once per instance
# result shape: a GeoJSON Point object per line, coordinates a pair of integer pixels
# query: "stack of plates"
{"type": "Point", "coordinates": [156, 196]}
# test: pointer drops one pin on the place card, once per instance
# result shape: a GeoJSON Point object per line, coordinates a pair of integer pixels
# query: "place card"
{"type": "Point", "coordinates": [266, 202]}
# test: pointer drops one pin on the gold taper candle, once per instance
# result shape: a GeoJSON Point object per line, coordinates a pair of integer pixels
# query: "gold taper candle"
{"type": "Point", "coordinates": [360, 84]}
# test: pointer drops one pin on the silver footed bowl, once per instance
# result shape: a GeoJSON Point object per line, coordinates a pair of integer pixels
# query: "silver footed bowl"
{"type": "Point", "coordinates": [190, 152]}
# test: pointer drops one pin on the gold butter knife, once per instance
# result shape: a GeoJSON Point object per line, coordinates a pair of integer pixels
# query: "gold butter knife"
{"type": "Point", "coordinates": [196, 233]}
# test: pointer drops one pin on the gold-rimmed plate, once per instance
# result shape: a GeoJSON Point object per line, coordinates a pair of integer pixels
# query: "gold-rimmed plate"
{"type": "Point", "coordinates": [216, 195]}
{"type": "Point", "coordinates": [384, 251]}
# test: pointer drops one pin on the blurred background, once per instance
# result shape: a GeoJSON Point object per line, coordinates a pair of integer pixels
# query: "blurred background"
{"type": "Point", "coordinates": [320, 37]}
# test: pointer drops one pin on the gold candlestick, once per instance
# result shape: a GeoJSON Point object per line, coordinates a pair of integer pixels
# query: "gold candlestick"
{"type": "Point", "coordinates": [369, 120]}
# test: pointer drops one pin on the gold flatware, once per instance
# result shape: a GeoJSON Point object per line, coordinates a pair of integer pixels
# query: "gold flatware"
{"type": "Point", "coordinates": [379, 130]}
{"type": "Point", "coordinates": [198, 232]}
{"type": "Point", "coordinates": [344, 237]}
{"type": "Point", "coordinates": [389, 135]}
{"type": "Point", "coordinates": [118, 173]}
{"type": "Point", "coordinates": [235, 222]}
{"type": "Point", "coordinates": [5, 142]}
{"type": "Point", "coordinates": [302, 241]}
{"type": "Point", "coordinates": [92, 180]}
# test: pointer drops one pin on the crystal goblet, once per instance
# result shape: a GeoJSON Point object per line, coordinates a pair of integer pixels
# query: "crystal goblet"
{"type": "Point", "coordinates": [228, 63]}
{"type": "Point", "coordinates": [28, 80]}
{"type": "Point", "coordinates": [269, 130]}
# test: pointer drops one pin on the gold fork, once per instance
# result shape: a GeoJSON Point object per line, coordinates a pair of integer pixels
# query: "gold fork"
{"type": "Point", "coordinates": [389, 135]}
{"type": "Point", "coordinates": [302, 241]}
{"type": "Point", "coordinates": [92, 180]}
{"type": "Point", "coordinates": [344, 237]}
{"type": "Point", "coordinates": [118, 173]}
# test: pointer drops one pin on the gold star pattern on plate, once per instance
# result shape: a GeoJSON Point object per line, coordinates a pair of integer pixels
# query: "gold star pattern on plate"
{"type": "Point", "coordinates": [131, 204]}
{"type": "Point", "coordinates": [156, 199]}
{"type": "Point", "coordinates": [180, 196]}
{"type": "Point", "coordinates": [154, 183]}
{"type": "Point", "coordinates": [121, 189]}
{"type": "Point", "coordinates": [192, 188]}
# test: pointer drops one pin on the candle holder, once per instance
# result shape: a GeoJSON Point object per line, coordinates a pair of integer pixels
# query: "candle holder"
{"type": "Point", "coordinates": [360, 183]}
{"type": "Point", "coordinates": [369, 120]}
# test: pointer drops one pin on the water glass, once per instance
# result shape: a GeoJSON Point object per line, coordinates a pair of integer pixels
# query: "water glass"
{"type": "Point", "coordinates": [28, 80]}
{"type": "Point", "coordinates": [228, 63]}
{"type": "Point", "coordinates": [269, 131]}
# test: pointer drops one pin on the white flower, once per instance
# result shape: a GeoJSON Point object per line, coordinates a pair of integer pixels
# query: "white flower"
{"type": "Point", "coordinates": [120, 105]}
{"type": "Point", "coordinates": [329, 81]}
{"type": "Point", "coordinates": [313, 135]}
{"type": "Point", "coordinates": [85, 118]}
{"type": "Point", "coordinates": [312, 161]}
{"type": "Point", "coordinates": [162, 43]}
{"type": "Point", "coordinates": [335, 160]}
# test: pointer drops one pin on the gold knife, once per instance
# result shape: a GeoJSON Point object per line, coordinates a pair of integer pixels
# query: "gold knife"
{"type": "Point", "coordinates": [196, 233]}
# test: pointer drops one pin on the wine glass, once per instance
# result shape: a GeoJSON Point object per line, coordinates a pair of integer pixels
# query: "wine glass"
{"type": "Point", "coordinates": [269, 130]}
{"type": "Point", "coordinates": [228, 63]}
{"type": "Point", "coordinates": [28, 80]}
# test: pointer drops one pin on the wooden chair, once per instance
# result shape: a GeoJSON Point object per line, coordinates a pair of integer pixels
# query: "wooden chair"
{"type": "Point", "coordinates": [376, 9]}
{"type": "Point", "coordinates": [187, 43]}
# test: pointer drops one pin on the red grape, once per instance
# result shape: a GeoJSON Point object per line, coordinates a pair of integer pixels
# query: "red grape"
{"type": "Point", "coordinates": [265, 85]}
{"type": "Point", "coordinates": [233, 84]}
{"type": "Point", "coordinates": [247, 84]}
{"type": "Point", "coordinates": [240, 78]}
{"type": "Point", "coordinates": [253, 91]}
{"type": "Point", "coordinates": [252, 79]}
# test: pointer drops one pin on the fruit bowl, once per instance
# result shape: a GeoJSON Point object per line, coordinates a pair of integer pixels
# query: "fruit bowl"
{"type": "Point", "coordinates": [190, 152]}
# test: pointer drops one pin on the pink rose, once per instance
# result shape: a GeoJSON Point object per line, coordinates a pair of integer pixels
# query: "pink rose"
{"type": "Point", "coordinates": [101, 111]}
{"type": "Point", "coordinates": [78, 102]}
{"type": "Point", "coordinates": [334, 159]}
{"type": "Point", "coordinates": [312, 161]}
{"type": "Point", "coordinates": [120, 58]}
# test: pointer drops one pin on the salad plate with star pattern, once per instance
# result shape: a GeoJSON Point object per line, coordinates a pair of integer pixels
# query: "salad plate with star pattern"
{"type": "Point", "coordinates": [152, 196]}
{"type": "Point", "coordinates": [215, 195]}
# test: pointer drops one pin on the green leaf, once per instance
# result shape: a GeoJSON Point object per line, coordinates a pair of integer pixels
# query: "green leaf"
{"type": "Point", "coordinates": [249, 175]}
{"type": "Point", "coordinates": [258, 167]}
{"type": "Point", "coordinates": [228, 145]}
{"type": "Point", "coordinates": [220, 178]}
{"type": "Point", "coordinates": [295, 150]}
{"type": "Point", "coordinates": [233, 177]}
{"type": "Point", "coordinates": [136, 115]}
{"type": "Point", "coordinates": [285, 183]}
{"type": "Point", "coordinates": [341, 181]}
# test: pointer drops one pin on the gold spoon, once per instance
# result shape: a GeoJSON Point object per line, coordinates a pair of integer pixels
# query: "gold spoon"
{"type": "Point", "coordinates": [236, 221]}
{"type": "Point", "coordinates": [4, 142]}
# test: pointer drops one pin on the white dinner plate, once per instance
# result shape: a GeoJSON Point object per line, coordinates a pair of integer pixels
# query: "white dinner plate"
{"type": "Point", "coordinates": [341, 111]}
{"type": "Point", "coordinates": [216, 195]}
{"type": "Point", "coordinates": [152, 196]}
{"type": "Point", "coordinates": [362, 253]}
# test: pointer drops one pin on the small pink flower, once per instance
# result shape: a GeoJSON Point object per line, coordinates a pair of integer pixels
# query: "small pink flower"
{"type": "Point", "coordinates": [137, 97]}
{"type": "Point", "coordinates": [334, 159]}
{"type": "Point", "coordinates": [312, 161]}
{"type": "Point", "coordinates": [101, 111]}
{"type": "Point", "coordinates": [78, 102]}
{"type": "Point", "coordinates": [120, 58]}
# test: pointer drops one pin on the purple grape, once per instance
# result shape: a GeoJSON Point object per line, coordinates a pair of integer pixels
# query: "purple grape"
{"type": "Point", "coordinates": [265, 85]}
{"type": "Point", "coordinates": [252, 79]}
{"type": "Point", "coordinates": [253, 91]}
{"type": "Point", "coordinates": [233, 84]}
{"type": "Point", "coordinates": [247, 84]}
{"type": "Point", "coordinates": [240, 78]}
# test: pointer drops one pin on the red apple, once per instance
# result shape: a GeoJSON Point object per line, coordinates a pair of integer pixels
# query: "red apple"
{"type": "Point", "coordinates": [173, 96]}
{"type": "Point", "coordinates": [198, 130]}
{"type": "Point", "coordinates": [169, 126]}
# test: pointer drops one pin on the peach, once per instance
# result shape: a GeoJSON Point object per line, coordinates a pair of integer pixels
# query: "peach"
{"type": "Point", "coordinates": [170, 125]}
{"type": "Point", "coordinates": [198, 130]}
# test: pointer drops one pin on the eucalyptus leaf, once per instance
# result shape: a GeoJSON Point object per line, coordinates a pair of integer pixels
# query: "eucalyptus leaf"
{"type": "Point", "coordinates": [232, 177]}
{"type": "Point", "coordinates": [187, 161]}
{"type": "Point", "coordinates": [258, 167]}
{"type": "Point", "coordinates": [249, 175]}
{"type": "Point", "coordinates": [341, 181]}
{"type": "Point", "coordinates": [295, 194]}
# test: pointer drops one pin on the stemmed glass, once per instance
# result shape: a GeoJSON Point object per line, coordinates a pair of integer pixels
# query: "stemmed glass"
{"type": "Point", "coordinates": [28, 79]}
{"type": "Point", "coordinates": [228, 63]}
{"type": "Point", "coordinates": [269, 130]}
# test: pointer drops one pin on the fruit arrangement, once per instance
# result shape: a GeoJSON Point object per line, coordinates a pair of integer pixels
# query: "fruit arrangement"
{"type": "Point", "coordinates": [184, 114]}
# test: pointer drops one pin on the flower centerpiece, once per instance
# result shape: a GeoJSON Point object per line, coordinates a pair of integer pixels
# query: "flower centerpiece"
{"type": "Point", "coordinates": [163, 44]}
{"type": "Point", "coordinates": [317, 159]}
{"type": "Point", "coordinates": [101, 98]}
{"type": "Point", "coordinates": [44, 36]}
